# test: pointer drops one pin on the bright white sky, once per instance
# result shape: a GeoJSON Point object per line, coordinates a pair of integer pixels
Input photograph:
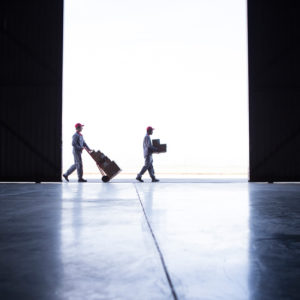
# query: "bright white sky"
{"type": "Point", "coordinates": [177, 65]}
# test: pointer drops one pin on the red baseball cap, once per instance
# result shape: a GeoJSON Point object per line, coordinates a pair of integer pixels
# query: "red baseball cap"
{"type": "Point", "coordinates": [78, 125]}
{"type": "Point", "coordinates": [150, 128]}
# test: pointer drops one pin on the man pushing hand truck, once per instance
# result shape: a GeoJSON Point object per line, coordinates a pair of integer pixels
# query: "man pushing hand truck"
{"type": "Point", "coordinates": [78, 144]}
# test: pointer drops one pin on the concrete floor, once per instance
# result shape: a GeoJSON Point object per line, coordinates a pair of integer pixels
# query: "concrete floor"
{"type": "Point", "coordinates": [171, 240]}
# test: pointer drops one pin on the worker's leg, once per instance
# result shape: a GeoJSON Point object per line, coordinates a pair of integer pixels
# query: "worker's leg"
{"type": "Point", "coordinates": [73, 167]}
{"type": "Point", "coordinates": [144, 169]}
{"type": "Point", "coordinates": [70, 170]}
{"type": "Point", "coordinates": [151, 171]}
{"type": "Point", "coordinates": [78, 162]}
{"type": "Point", "coordinates": [148, 162]}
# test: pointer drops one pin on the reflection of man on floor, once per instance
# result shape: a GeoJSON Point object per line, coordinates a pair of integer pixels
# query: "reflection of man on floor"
{"type": "Point", "coordinates": [148, 150]}
{"type": "Point", "coordinates": [78, 144]}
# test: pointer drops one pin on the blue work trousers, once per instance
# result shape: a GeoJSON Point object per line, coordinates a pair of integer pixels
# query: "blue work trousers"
{"type": "Point", "coordinates": [148, 166]}
{"type": "Point", "coordinates": [77, 165]}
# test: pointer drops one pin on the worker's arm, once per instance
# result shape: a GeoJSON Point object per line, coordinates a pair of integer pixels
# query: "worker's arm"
{"type": "Point", "coordinates": [75, 142]}
{"type": "Point", "coordinates": [151, 149]}
{"type": "Point", "coordinates": [86, 146]}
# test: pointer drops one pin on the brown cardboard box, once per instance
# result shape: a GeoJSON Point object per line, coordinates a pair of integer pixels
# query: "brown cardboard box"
{"type": "Point", "coordinates": [156, 143]}
{"type": "Point", "coordinates": [161, 147]}
{"type": "Point", "coordinates": [98, 156]}
{"type": "Point", "coordinates": [111, 169]}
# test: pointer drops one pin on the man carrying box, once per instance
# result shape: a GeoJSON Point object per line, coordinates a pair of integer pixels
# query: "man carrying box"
{"type": "Point", "coordinates": [148, 150]}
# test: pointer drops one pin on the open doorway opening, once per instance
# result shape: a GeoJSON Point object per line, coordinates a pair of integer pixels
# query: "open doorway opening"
{"type": "Point", "coordinates": [179, 66]}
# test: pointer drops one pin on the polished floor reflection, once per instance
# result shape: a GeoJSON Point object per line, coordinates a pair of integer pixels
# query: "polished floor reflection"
{"type": "Point", "coordinates": [171, 240]}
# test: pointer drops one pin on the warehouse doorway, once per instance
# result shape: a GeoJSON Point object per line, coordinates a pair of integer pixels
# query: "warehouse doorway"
{"type": "Point", "coordinates": [180, 67]}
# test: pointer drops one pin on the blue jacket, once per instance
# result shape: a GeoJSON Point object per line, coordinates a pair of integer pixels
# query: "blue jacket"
{"type": "Point", "coordinates": [78, 142]}
{"type": "Point", "coordinates": [148, 148]}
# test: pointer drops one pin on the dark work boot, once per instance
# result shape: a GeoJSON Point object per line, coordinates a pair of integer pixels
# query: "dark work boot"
{"type": "Point", "coordinates": [155, 180]}
{"type": "Point", "coordinates": [139, 178]}
{"type": "Point", "coordinates": [82, 180]}
{"type": "Point", "coordinates": [66, 177]}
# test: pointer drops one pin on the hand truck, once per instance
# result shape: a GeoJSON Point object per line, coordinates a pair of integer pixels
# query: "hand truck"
{"type": "Point", "coordinates": [108, 169]}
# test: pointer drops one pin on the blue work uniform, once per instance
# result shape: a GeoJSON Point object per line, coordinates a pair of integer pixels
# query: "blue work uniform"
{"type": "Point", "coordinates": [148, 150]}
{"type": "Point", "coordinates": [78, 144]}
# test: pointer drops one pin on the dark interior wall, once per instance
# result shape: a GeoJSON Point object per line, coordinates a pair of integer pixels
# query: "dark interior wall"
{"type": "Point", "coordinates": [274, 90]}
{"type": "Point", "coordinates": [31, 39]}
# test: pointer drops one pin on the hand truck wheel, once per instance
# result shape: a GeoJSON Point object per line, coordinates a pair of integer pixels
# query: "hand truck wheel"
{"type": "Point", "coordinates": [105, 178]}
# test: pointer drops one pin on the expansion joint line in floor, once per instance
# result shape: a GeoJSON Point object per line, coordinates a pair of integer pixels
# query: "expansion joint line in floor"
{"type": "Point", "coordinates": [158, 248]}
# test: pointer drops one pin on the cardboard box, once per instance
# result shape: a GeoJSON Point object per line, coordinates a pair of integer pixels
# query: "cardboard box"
{"type": "Point", "coordinates": [162, 148]}
{"type": "Point", "coordinates": [156, 143]}
{"type": "Point", "coordinates": [112, 169]}
{"type": "Point", "coordinates": [98, 156]}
